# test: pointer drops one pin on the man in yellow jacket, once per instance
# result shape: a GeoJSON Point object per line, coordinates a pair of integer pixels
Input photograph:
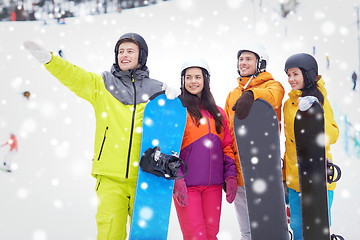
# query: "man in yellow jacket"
{"type": "Point", "coordinates": [254, 82]}
{"type": "Point", "coordinates": [119, 98]}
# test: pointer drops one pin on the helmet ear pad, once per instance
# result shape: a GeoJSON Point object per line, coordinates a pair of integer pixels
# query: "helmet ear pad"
{"type": "Point", "coordinates": [262, 65]}
{"type": "Point", "coordinates": [183, 79]}
{"type": "Point", "coordinates": [308, 76]}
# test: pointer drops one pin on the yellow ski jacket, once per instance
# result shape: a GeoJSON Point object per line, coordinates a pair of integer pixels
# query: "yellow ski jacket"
{"type": "Point", "coordinates": [119, 99]}
{"type": "Point", "coordinates": [331, 132]}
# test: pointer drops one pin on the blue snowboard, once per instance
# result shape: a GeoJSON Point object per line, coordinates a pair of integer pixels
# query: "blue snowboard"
{"type": "Point", "coordinates": [163, 125]}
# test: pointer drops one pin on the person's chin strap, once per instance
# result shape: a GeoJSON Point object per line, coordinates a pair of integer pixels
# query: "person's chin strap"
{"type": "Point", "coordinates": [251, 78]}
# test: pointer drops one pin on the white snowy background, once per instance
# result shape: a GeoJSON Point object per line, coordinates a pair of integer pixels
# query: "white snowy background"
{"type": "Point", "coordinates": [50, 194]}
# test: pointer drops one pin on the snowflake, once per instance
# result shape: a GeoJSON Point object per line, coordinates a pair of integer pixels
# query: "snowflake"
{"type": "Point", "coordinates": [259, 186]}
{"type": "Point", "coordinates": [254, 160]}
{"type": "Point", "coordinates": [39, 235]}
{"type": "Point", "coordinates": [146, 213]}
{"type": "Point", "coordinates": [242, 131]}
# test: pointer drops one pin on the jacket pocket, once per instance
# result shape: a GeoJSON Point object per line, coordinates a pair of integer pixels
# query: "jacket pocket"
{"type": "Point", "coordinates": [102, 144]}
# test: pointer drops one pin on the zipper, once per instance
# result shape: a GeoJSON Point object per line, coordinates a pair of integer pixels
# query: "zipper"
{"type": "Point", "coordinates": [103, 142]}
{"type": "Point", "coordinates": [132, 129]}
{"type": "Point", "coordinates": [210, 144]}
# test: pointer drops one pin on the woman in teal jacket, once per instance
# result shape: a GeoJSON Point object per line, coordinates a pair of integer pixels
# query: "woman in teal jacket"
{"type": "Point", "coordinates": [119, 98]}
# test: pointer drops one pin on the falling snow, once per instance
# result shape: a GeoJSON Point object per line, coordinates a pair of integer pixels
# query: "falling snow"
{"type": "Point", "coordinates": [259, 186]}
{"type": "Point", "coordinates": [55, 127]}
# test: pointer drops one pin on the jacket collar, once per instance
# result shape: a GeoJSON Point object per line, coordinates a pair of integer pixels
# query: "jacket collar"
{"type": "Point", "coordinates": [137, 74]}
{"type": "Point", "coordinates": [254, 81]}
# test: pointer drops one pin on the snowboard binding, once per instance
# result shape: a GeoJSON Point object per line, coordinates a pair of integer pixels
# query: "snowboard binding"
{"type": "Point", "coordinates": [336, 237]}
{"type": "Point", "coordinates": [155, 162]}
{"type": "Point", "coordinates": [331, 172]}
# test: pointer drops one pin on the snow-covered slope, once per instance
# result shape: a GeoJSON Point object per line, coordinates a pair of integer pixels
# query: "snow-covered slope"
{"type": "Point", "coordinates": [51, 194]}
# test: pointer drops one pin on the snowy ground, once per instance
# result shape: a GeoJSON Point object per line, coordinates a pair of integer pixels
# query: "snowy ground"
{"type": "Point", "coordinates": [50, 195]}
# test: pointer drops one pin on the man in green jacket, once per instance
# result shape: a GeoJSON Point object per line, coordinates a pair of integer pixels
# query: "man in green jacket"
{"type": "Point", "coordinates": [119, 98]}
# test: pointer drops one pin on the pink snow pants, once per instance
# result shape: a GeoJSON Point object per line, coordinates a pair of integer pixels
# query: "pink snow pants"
{"type": "Point", "coordinates": [200, 219]}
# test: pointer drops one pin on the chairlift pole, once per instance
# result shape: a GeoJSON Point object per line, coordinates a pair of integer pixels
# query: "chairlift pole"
{"type": "Point", "coordinates": [358, 31]}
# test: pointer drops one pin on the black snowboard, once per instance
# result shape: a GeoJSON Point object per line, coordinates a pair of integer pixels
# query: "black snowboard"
{"type": "Point", "coordinates": [310, 150]}
{"type": "Point", "coordinates": [257, 138]}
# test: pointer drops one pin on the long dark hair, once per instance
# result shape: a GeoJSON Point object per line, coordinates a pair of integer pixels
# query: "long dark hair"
{"type": "Point", "coordinates": [311, 89]}
{"type": "Point", "coordinates": [207, 102]}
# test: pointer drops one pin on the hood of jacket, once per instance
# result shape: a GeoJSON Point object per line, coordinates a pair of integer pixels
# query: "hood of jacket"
{"type": "Point", "coordinates": [121, 85]}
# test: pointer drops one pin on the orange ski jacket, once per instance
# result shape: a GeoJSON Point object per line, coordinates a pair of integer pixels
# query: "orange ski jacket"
{"type": "Point", "coordinates": [263, 86]}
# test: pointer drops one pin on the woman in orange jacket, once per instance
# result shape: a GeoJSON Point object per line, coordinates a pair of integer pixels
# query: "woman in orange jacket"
{"type": "Point", "coordinates": [206, 148]}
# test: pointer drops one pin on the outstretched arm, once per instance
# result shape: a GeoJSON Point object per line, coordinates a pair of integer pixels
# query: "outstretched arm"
{"type": "Point", "coordinates": [84, 84]}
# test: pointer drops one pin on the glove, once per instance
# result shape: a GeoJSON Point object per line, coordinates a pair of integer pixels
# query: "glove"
{"type": "Point", "coordinates": [180, 192]}
{"type": "Point", "coordinates": [243, 104]}
{"type": "Point", "coordinates": [40, 53]}
{"type": "Point", "coordinates": [171, 92]}
{"type": "Point", "coordinates": [306, 102]}
{"type": "Point", "coordinates": [231, 187]}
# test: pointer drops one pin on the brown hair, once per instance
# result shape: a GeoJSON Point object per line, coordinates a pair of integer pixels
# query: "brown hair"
{"type": "Point", "coordinates": [194, 104]}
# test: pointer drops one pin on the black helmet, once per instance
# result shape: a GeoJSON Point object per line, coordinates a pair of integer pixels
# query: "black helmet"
{"type": "Point", "coordinates": [307, 65]}
{"type": "Point", "coordinates": [142, 47]}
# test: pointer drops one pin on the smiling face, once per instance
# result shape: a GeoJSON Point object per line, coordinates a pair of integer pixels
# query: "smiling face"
{"type": "Point", "coordinates": [128, 56]}
{"type": "Point", "coordinates": [247, 64]}
{"type": "Point", "coordinates": [295, 78]}
{"type": "Point", "coordinates": [194, 81]}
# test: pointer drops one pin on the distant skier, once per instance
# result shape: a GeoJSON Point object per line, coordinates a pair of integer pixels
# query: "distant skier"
{"type": "Point", "coordinates": [327, 62]}
{"type": "Point", "coordinates": [26, 94]}
{"type": "Point", "coordinates": [12, 142]}
{"type": "Point", "coordinates": [357, 144]}
{"type": "Point", "coordinates": [307, 87]}
{"type": "Point", "coordinates": [13, 16]}
{"type": "Point", "coordinates": [61, 20]}
{"type": "Point", "coordinates": [354, 79]}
